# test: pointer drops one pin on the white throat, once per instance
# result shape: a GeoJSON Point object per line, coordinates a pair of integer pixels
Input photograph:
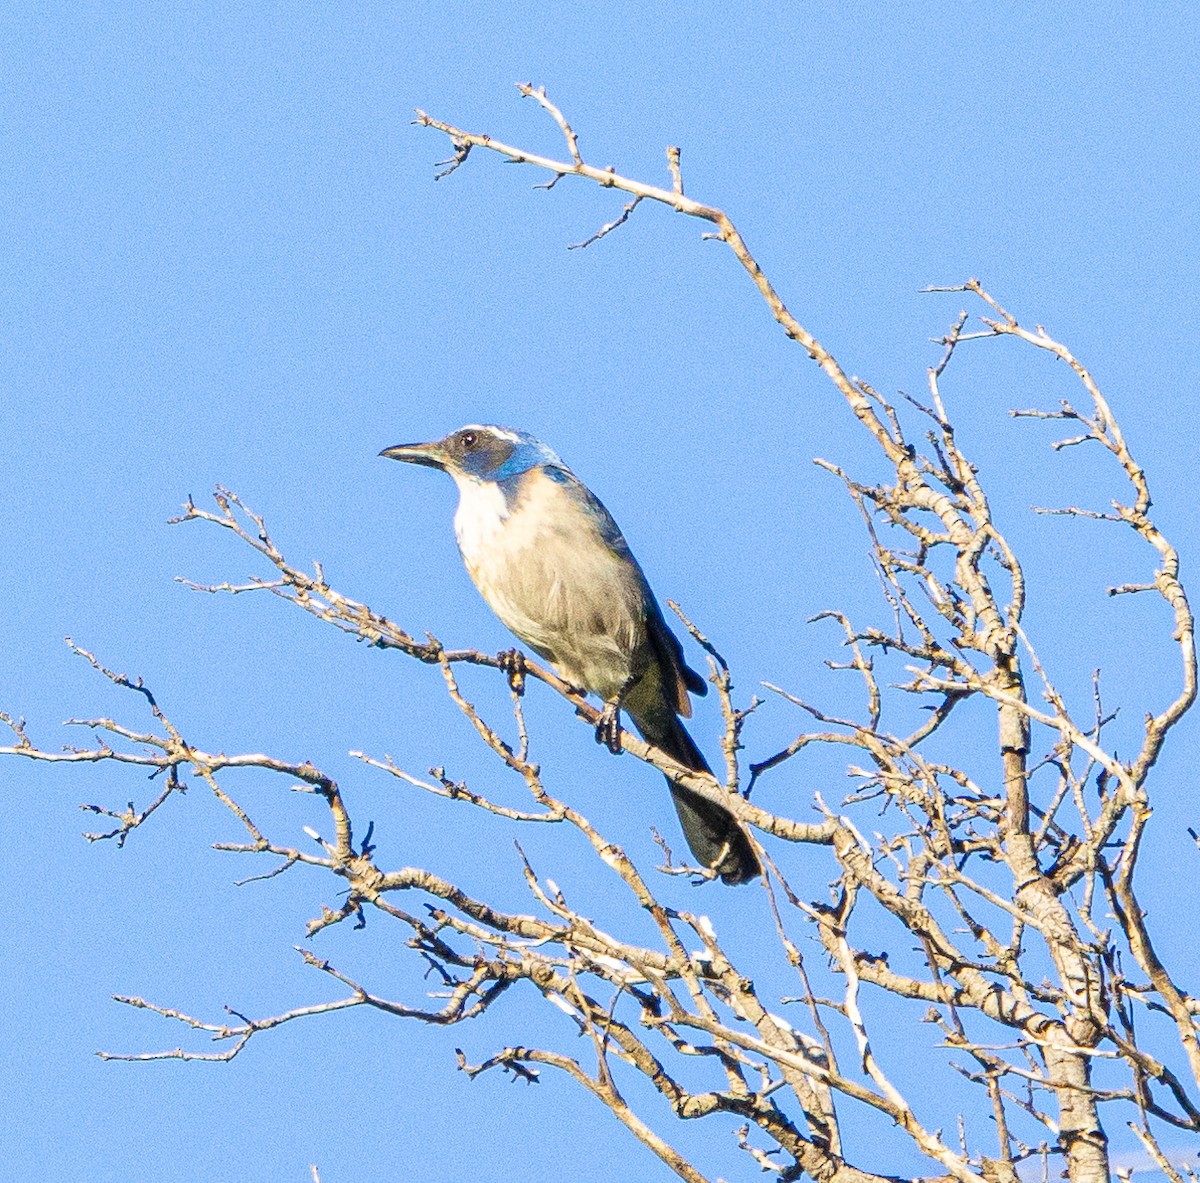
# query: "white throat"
{"type": "Point", "coordinates": [481, 514]}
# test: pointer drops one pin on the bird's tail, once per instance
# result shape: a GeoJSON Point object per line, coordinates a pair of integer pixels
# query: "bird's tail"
{"type": "Point", "coordinates": [712, 832]}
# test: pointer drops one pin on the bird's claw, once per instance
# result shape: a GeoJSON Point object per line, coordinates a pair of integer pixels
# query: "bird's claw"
{"type": "Point", "coordinates": [608, 728]}
{"type": "Point", "coordinates": [512, 662]}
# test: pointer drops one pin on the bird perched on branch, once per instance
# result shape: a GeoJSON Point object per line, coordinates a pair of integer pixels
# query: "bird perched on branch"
{"type": "Point", "coordinates": [552, 564]}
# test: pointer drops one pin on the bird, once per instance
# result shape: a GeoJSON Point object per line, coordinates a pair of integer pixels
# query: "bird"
{"type": "Point", "coordinates": [555, 568]}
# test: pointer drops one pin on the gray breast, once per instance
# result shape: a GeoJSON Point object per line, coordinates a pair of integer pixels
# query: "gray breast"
{"type": "Point", "coordinates": [553, 579]}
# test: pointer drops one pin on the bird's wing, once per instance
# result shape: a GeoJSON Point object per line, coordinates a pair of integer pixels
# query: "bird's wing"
{"type": "Point", "coordinates": [677, 676]}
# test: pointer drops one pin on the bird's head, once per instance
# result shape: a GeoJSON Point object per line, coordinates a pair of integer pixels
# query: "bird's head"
{"type": "Point", "coordinates": [481, 452]}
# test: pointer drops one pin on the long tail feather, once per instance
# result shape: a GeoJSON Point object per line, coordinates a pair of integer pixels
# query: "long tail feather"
{"type": "Point", "coordinates": [712, 832]}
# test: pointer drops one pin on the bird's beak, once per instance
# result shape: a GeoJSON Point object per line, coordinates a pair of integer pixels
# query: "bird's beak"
{"type": "Point", "coordinates": [431, 455]}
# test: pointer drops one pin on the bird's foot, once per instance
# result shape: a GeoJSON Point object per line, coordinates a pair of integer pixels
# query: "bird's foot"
{"type": "Point", "coordinates": [608, 728]}
{"type": "Point", "coordinates": [512, 662]}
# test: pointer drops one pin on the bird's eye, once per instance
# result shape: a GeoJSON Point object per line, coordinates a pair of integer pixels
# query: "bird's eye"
{"type": "Point", "coordinates": [468, 439]}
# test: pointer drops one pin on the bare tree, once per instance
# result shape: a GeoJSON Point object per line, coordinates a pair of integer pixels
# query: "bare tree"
{"type": "Point", "coordinates": [1008, 866]}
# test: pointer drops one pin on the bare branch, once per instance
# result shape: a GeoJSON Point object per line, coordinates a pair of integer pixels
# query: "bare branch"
{"type": "Point", "coordinates": [990, 882]}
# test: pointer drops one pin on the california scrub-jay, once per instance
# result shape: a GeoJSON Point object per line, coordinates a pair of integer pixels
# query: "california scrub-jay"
{"type": "Point", "coordinates": [552, 564]}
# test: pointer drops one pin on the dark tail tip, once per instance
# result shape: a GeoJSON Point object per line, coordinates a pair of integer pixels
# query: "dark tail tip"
{"type": "Point", "coordinates": [741, 864]}
{"type": "Point", "coordinates": [712, 832]}
{"type": "Point", "coordinates": [715, 837]}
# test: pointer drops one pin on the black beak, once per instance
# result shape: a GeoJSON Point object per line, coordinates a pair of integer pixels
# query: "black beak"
{"type": "Point", "coordinates": [431, 455]}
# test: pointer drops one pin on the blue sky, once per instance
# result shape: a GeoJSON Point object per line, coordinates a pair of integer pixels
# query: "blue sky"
{"type": "Point", "coordinates": [225, 260]}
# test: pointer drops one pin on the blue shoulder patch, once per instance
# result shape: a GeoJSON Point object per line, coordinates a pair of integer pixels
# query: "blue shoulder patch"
{"type": "Point", "coordinates": [593, 507]}
{"type": "Point", "coordinates": [521, 459]}
{"type": "Point", "coordinates": [557, 475]}
{"type": "Point", "coordinates": [517, 482]}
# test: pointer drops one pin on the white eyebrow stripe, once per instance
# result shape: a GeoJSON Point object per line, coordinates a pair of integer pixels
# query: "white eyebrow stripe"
{"type": "Point", "coordinates": [513, 437]}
